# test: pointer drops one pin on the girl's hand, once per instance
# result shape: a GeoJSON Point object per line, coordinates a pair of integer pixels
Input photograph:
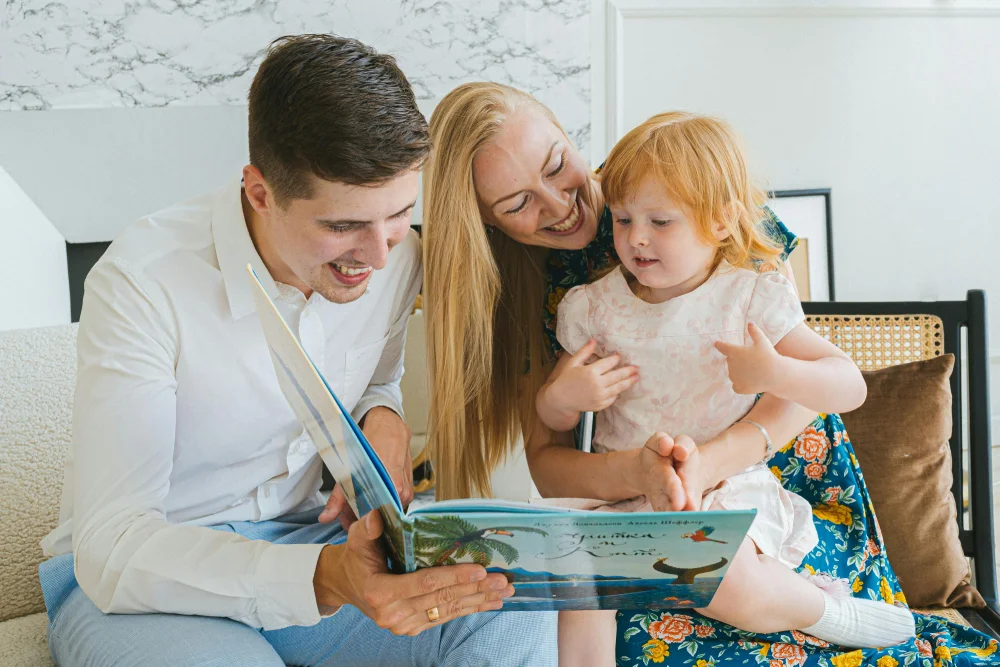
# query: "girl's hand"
{"type": "Point", "coordinates": [579, 385]}
{"type": "Point", "coordinates": [654, 473]}
{"type": "Point", "coordinates": [752, 368]}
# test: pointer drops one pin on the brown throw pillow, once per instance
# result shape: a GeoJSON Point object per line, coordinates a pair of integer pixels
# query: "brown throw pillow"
{"type": "Point", "coordinates": [901, 438]}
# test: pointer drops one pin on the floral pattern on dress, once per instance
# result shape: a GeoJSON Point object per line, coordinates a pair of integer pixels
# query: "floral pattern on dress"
{"type": "Point", "coordinates": [850, 548]}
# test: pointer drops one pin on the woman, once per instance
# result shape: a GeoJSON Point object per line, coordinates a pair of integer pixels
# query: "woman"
{"type": "Point", "coordinates": [513, 218]}
{"type": "Point", "coordinates": [518, 219]}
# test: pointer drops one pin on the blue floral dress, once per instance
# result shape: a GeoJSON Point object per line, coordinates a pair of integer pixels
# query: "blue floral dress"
{"type": "Point", "coordinates": [820, 466]}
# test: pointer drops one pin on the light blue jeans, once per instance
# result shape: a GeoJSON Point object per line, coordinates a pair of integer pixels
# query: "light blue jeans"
{"type": "Point", "coordinates": [80, 635]}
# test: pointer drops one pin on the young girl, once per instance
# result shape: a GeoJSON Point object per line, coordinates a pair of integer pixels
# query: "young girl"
{"type": "Point", "coordinates": [708, 331]}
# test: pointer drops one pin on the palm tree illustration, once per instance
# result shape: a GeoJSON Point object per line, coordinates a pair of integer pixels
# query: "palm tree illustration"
{"type": "Point", "coordinates": [443, 540]}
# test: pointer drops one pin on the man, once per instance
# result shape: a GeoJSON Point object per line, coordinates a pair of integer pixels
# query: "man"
{"type": "Point", "coordinates": [192, 493]}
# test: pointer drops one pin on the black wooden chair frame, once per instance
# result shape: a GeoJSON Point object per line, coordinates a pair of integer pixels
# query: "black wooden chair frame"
{"type": "Point", "coordinates": [971, 408]}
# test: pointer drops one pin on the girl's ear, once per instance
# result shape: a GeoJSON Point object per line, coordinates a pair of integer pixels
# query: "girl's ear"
{"type": "Point", "coordinates": [731, 212]}
{"type": "Point", "coordinates": [720, 231]}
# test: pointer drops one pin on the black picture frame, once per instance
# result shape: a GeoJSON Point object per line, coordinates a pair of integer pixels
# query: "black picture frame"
{"type": "Point", "coordinates": [825, 193]}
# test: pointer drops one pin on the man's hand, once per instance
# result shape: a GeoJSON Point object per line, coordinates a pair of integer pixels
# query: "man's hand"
{"type": "Point", "coordinates": [753, 367]}
{"type": "Point", "coordinates": [355, 573]}
{"type": "Point", "coordinates": [390, 438]}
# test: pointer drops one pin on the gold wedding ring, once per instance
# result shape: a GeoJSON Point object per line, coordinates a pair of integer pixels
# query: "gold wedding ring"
{"type": "Point", "coordinates": [433, 614]}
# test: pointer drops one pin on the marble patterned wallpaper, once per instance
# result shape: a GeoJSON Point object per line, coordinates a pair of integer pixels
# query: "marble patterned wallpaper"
{"type": "Point", "coordinates": [150, 53]}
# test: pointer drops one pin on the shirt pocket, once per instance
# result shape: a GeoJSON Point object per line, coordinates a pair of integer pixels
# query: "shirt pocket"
{"type": "Point", "coordinates": [359, 367]}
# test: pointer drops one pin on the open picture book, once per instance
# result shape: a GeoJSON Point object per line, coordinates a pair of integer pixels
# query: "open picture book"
{"type": "Point", "coordinates": [556, 557]}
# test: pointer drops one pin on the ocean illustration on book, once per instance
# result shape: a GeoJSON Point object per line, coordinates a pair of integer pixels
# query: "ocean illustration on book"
{"type": "Point", "coordinates": [595, 561]}
{"type": "Point", "coordinates": [557, 558]}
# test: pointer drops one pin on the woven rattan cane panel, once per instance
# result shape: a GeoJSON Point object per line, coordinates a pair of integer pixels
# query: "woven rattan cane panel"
{"type": "Point", "coordinates": [953, 615]}
{"type": "Point", "coordinates": [879, 341]}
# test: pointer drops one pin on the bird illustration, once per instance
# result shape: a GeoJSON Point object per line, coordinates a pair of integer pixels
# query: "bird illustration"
{"type": "Point", "coordinates": [702, 535]}
{"type": "Point", "coordinates": [497, 531]}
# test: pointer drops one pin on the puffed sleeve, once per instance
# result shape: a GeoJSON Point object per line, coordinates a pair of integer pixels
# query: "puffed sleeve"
{"type": "Point", "coordinates": [572, 322]}
{"type": "Point", "coordinates": [774, 306]}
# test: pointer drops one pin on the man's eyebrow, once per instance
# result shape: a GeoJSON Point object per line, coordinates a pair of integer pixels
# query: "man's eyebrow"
{"type": "Point", "coordinates": [346, 222]}
{"type": "Point", "coordinates": [334, 223]}
{"type": "Point", "coordinates": [547, 158]}
{"type": "Point", "coordinates": [404, 209]}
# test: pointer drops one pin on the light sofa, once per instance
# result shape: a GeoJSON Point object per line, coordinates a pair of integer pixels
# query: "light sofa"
{"type": "Point", "coordinates": [37, 379]}
{"type": "Point", "coordinates": [37, 376]}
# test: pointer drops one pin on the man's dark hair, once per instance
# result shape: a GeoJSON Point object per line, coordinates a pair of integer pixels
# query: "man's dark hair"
{"type": "Point", "coordinates": [334, 108]}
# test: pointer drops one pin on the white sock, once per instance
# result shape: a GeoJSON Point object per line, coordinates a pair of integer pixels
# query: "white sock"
{"type": "Point", "coordinates": [855, 623]}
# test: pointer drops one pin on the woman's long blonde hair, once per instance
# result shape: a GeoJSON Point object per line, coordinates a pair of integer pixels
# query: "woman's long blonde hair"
{"type": "Point", "coordinates": [483, 300]}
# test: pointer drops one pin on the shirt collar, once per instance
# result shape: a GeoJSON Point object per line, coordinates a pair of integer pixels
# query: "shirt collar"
{"type": "Point", "coordinates": [234, 249]}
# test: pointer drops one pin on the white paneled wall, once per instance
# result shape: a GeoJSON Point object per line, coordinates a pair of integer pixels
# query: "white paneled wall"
{"type": "Point", "coordinates": [34, 288]}
{"type": "Point", "coordinates": [894, 105]}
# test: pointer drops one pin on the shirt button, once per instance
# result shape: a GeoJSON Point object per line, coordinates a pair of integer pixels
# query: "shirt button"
{"type": "Point", "coordinates": [267, 493]}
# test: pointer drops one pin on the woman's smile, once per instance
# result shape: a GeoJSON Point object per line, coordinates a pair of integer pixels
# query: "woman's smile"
{"type": "Point", "coordinates": [571, 223]}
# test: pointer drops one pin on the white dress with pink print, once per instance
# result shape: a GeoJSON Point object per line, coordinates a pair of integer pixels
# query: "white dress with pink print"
{"type": "Point", "coordinates": [684, 385]}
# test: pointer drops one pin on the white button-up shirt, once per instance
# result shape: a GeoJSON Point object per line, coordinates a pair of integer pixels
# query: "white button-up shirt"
{"type": "Point", "coordinates": [179, 422]}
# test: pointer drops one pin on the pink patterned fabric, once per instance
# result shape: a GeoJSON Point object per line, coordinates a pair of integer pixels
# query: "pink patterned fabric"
{"type": "Point", "coordinates": [684, 385]}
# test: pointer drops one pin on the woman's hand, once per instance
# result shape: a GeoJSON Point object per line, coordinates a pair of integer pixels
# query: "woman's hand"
{"type": "Point", "coordinates": [580, 385]}
{"type": "Point", "coordinates": [355, 573]}
{"type": "Point", "coordinates": [691, 468]}
{"type": "Point", "coordinates": [655, 472]}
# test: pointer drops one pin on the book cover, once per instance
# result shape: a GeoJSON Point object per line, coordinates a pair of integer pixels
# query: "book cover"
{"type": "Point", "coordinates": [556, 557]}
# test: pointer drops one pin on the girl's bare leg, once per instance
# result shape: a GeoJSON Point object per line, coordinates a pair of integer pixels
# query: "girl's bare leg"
{"type": "Point", "coordinates": [587, 638]}
{"type": "Point", "coordinates": [761, 595]}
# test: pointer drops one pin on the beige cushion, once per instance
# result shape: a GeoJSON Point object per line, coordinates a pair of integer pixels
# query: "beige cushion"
{"type": "Point", "coordinates": [901, 437]}
{"type": "Point", "coordinates": [37, 376]}
{"type": "Point", "coordinates": [23, 642]}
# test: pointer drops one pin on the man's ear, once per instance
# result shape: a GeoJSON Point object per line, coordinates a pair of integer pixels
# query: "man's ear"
{"type": "Point", "coordinates": [258, 191]}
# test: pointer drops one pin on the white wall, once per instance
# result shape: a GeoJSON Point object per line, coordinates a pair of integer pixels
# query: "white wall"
{"type": "Point", "coordinates": [94, 171]}
{"type": "Point", "coordinates": [893, 105]}
{"type": "Point", "coordinates": [35, 290]}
